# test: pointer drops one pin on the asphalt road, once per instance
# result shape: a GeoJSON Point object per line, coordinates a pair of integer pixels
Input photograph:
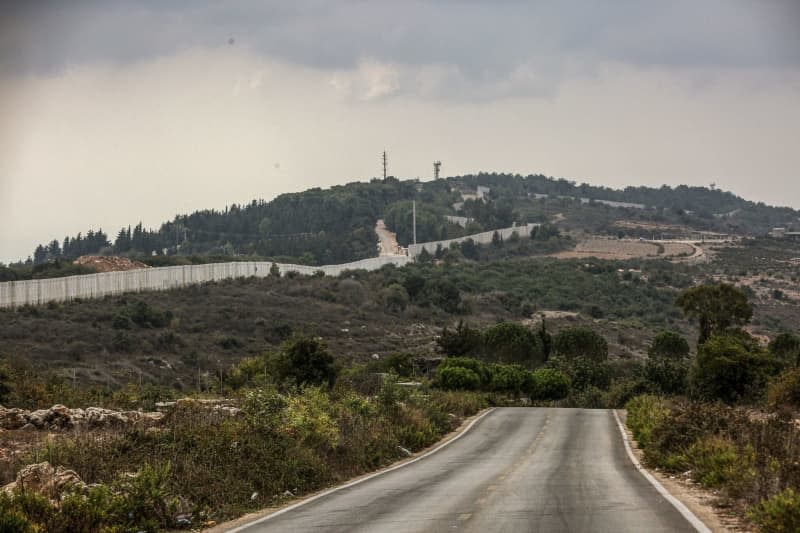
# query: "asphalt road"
{"type": "Point", "coordinates": [517, 469]}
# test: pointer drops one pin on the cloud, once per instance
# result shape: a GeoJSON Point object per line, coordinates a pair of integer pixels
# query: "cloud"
{"type": "Point", "coordinates": [473, 49]}
{"type": "Point", "coordinates": [370, 80]}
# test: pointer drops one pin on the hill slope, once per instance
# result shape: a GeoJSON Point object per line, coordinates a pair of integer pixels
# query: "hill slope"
{"type": "Point", "coordinates": [335, 225]}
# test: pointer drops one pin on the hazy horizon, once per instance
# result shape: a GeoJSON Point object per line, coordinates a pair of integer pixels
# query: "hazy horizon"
{"type": "Point", "coordinates": [103, 125]}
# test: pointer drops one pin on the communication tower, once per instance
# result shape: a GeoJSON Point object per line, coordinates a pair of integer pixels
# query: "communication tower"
{"type": "Point", "coordinates": [436, 166]}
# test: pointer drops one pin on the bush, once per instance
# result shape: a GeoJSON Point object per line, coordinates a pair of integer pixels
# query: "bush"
{"type": "Point", "coordinates": [644, 414]}
{"type": "Point", "coordinates": [580, 342]}
{"type": "Point", "coordinates": [666, 375]}
{"type": "Point", "coordinates": [145, 500]}
{"type": "Point", "coordinates": [442, 293]}
{"type": "Point", "coordinates": [786, 348]}
{"type": "Point", "coordinates": [481, 369]}
{"type": "Point", "coordinates": [508, 378]}
{"type": "Point", "coordinates": [670, 345]}
{"type": "Point", "coordinates": [305, 361]}
{"type": "Point", "coordinates": [143, 315]}
{"type": "Point", "coordinates": [463, 341]}
{"type": "Point", "coordinates": [309, 420]}
{"type": "Point", "coordinates": [509, 342]}
{"type": "Point", "coordinates": [715, 462]}
{"type": "Point", "coordinates": [395, 298]}
{"type": "Point", "coordinates": [784, 391]}
{"type": "Point", "coordinates": [583, 372]}
{"type": "Point", "coordinates": [549, 384]}
{"type": "Point", "coordinates": [778, 514]}
{"type": "Point", "coordinates": [588, 398]}
{"type": "Point", "coordinates": [12, 519]}
{"type": "Point", "coordinates": [458, 403]}
{"type": "Point", "coordinates": [624, 390]}
{"type": "Point", "coordinates": [730, 368]}
{"type": "Point", "coordinates": [135, 502]}
{"type": "Point", "coordinates": [229, 343]}
{"type": "Point", "coordinates": [458, 378]}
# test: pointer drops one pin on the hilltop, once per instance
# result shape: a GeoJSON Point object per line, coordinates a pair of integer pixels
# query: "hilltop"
{"type": "Point", "coordinates": [336, 225]}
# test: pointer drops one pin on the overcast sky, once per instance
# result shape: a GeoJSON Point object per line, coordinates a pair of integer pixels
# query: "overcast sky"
{"type": "Point", "coordinates": [114, 112]}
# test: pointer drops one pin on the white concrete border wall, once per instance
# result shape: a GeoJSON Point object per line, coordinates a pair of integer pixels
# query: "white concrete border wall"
{"type": "Point", "coordinates": [41, 291]}
{"type": "Point", "coordinates": [480, 238]}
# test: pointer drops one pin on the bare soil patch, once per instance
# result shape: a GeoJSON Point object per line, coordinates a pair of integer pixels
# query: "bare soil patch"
{"type": "Point", "coordinates": [109, 263]}
{"type": "Point", "coordinates": [610, 249]}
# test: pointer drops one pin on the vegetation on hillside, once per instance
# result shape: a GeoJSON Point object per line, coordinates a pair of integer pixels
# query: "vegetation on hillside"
{"type": "Point", "coordinates": [203, 465]}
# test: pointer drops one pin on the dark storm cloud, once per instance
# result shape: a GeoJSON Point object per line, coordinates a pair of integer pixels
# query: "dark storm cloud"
{"type": "Point", "coordinates": [485, 41]}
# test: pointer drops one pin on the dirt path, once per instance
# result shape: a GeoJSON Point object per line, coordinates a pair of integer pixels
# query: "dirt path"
{"type": "Point", "coordinates": [387, 240]}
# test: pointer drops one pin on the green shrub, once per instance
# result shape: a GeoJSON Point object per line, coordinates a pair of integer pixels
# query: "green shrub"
{"type": "Point", "coordinates": [304, 361]}
{"type": "Point", "coordinates": [229, 342]}
{"type": "Point", "coordinates": [458, 378]}
{"type": "Point", "coordinates": [786, 348]}
{"type": "Point", "coordinates": [87, 513]}
{"type": "Point", "coordinates": [399, 363]}
{"type": "Point", "coordinates": [686, 423]}
{"type": "Point", "coordinates": [667, 375]}
{"type": "Point", "coordinates": [583, 372]}
{"type": "Point", "coordinates": [589, 398]}
{"type": "Point", "coordinates": [784, 391]}
{"type": "Point", "coordinates": [624, 390]}
{"type": "Point", "coordinates": [307, 418]}
{"type": "Point", "coordinates": [145, 501]}
{"type": "Point", "coordinates": [138, 502]}
{"type": "Point", "coordinates": [580, 342]}
{"type": "Point", "coordinates": [670, 345]}
{"type": "Point", "coordinates": [644, 414]}
{"type": "Point", "coordinates": [549, 384]}
{"type": "Point", "coordinates": [716, 462]}
{"type": "Point", "coordinates": [481, 369]}
{"type": "Point", "coordinates": [458, 403]}
{"type": "Point", "coordinates": [509, 342]}
{"type": "Point", "coordinates": [508, 378]}
{"type": "Point", "coordinates": [395, 298]}
{"type": "Point", "coordinates": [778, 514]}
{"type": "Point", "coordinates": [123, 342]}
{"type": "Point", "coordinates": [730, 368]}
{"type": "Point", "coordinates": [141, 314]}
{"type": "Point", "coordinates": [464, 340]}
{"type": "Point", "coordinates": [12, 519]}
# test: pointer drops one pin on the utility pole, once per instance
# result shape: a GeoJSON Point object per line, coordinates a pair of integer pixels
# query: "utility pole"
{"type": "Point", "coordinates": [384, 164]}
{"type": "Point", "coordinates": [414, 218]}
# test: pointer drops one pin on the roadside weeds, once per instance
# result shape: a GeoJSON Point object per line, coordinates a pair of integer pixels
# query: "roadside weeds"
{"type": "Point", "coordinates": [700, 501]}
{"type": "Point", "coordinates": [263, 513]}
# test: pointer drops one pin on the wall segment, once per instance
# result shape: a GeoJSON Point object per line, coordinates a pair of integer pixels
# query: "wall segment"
{"type": "Point", "coordinates": [42, 291]}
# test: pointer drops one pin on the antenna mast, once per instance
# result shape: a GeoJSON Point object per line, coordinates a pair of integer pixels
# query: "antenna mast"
{"type": "Point", "coordinates": [414, 218]}
{"type": "Point", "coordinates": [436, 166]}
{"type": "Point", "coordinates": [384, 164]}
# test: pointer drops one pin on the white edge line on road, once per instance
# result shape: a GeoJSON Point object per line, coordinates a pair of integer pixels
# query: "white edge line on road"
{"type": "Point", "coordinates": [357, 481]}
{"type": "Point", "coordinates": [687, 514]}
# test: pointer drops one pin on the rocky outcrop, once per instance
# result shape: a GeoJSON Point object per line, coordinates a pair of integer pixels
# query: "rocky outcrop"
{"type": "Point", "coordinates": [62, 418]}
{"type": "Point", "coordinates": [220, 406]}
{"type": "Point", "coordinates": [43, 479]}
